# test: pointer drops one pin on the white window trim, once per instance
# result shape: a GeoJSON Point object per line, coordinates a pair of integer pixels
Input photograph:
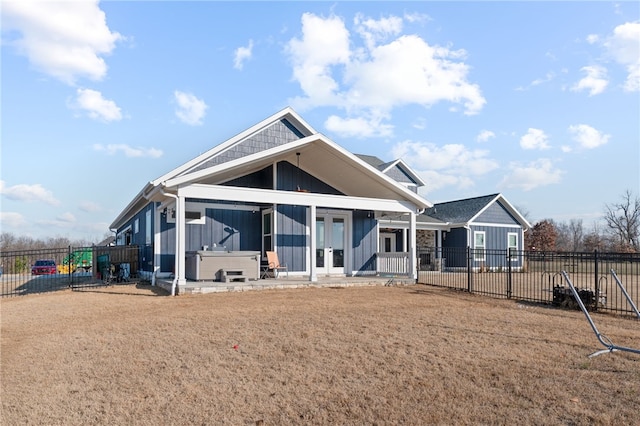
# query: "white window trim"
{"type": "Point", "coordinates": [189, 207]}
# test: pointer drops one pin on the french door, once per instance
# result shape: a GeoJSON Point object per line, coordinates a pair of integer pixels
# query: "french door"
{"type": "Point", "coordinates": [331, 243]}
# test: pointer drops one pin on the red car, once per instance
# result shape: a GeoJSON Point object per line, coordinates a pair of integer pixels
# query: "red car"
{"type": "Point", "coordinates": [43, 267]}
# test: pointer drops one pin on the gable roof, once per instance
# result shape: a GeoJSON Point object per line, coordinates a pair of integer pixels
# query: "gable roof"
{"type": "Point", "coordinates": [464, 212]}
{"type": "Point", "coordinates": [284, 136]}
{"type": "Point", "coordinates": [397, 169]}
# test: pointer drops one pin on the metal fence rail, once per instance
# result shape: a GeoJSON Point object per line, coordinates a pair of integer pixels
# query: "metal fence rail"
{"type": "Point", "coordinates": [535, 276]}
{"type": "Point", "coordinates": [75, 268]}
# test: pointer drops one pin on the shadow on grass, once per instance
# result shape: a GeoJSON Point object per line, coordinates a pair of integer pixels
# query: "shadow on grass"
{"type": "Point", "coordinates": [125, 289]}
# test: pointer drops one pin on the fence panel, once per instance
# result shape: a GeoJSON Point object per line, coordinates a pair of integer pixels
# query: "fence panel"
{"type": "Point", "coordinates": [535, 276]}
{"type": "Point", "coordinates": [38, 271]}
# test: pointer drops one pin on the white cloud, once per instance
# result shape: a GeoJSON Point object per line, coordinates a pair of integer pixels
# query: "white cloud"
{"type": "Point", "coordinates": [66, 218]}
{"type": "Point", "coordinates": [358, 127]}
{"type": "Point", "coordinates": [12, 220]}
{"type": "Point", "coordinates": [191, 110]}
{"type": "Point", "coordinates": [595, 81]}
{"type": "Point", "coordinates": [128, 151]}
{"type": "Point", "coordinates": [593, 38]}
{"type": "Point", "coordinates": [624, 46]}
{"type": "Point", "coordinates": [447, 165]}
{"type": "Point", "coordinates": [96, 106]}
{"type": "Point", "coordinates": [241, 55]}
{"type": "Point", "coordinates": [28, 193]}
{"type": "Point", "coordinates": [89, 207]}
{"type": "Point", "coordinates": [383, 72]}
{"type": "Point", "coordinates": [417, 17]}
{"type": "Point", "coordinates": [485, 135]}
{"type": "Point", "coordinates": [374, 31]}
{"type": "Point", "coordinates": [534, 139]}
{"type": "Point", "coordinates": [526, 177]}
{"type": "Point", "coordinates": [587, 137]}
{"type": "Point", "coordinates": [324, 43]}
{"type": "Point", "coordinates": [66, 39]}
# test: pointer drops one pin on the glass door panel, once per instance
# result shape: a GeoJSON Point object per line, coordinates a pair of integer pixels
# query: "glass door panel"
{"type": "Point", "coordinates": [320, 246]}
{"type": "Point", "coordinates": [337, 243]}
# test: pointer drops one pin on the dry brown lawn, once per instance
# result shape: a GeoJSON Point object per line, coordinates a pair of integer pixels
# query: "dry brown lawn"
{"type": "Point", "coordinates": [368, 355]}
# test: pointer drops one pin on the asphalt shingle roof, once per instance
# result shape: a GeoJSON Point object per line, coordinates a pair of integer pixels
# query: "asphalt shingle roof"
{"type": "Point", "coordinates": [459, 211]}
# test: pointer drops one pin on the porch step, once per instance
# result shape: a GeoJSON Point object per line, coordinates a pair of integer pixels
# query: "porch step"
{"type": "Point", "coordinates": [234, 275]}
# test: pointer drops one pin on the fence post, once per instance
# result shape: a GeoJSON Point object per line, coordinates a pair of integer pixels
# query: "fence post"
{"type": "Point", "coordinates": [69, 266]}
{"type": "Point", "coordinates": [595, 277]}
{"type": "Point", "coordinates": [469, 274]}
{"type": "Point", "coordinates": [509, 282]}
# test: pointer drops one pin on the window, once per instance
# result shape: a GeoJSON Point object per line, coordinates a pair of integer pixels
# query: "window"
{"type": "Point", "coordinates": [267, 233]}
{"type": "Point", "coordinates": [136, 226]}
{"type": "Point", "coordinates": [194, 214]}
{"type": "Point", "coordinates": [478, 245]}
{"type": "Point", "coordinates": [148, 227]}
{"type": "Point", "coordinates": [512, 245]}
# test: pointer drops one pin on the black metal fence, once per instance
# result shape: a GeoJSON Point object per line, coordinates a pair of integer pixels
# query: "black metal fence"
{"type": "Point", "coordinates": [39, 271]}
{"type": "Point", "coordinates": [536, 276]}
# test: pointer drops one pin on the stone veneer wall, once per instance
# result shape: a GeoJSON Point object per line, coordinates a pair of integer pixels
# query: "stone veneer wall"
{"type": "Point", "coordinates": [425, 238]}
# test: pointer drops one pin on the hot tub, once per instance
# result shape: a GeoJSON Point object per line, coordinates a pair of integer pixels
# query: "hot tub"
{"type": "Point", "coordinates": [205, 265]}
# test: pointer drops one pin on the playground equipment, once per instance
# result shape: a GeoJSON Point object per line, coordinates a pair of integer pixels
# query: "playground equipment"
{"type": "Point", "coordinates": [606, 342]}
{"type": "Point", "coordinates": [78, 259]}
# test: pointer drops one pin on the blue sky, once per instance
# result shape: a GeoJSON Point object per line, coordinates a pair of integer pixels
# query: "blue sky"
{"type": "Point", "coordinates": [537, 100]}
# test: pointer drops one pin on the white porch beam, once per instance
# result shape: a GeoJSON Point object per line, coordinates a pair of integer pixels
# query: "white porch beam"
{"type": "Point", "coordinates": [253, 195]}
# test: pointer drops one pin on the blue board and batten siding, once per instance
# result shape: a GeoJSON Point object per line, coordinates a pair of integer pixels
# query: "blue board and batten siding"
{"type": "Point", "coordinates": [365, 242]}
{"type": "Point", "coordinates": [291, 239]}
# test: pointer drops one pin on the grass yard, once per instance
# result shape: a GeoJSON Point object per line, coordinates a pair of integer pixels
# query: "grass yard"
{"type": "Point", "coordinates": [367, 355]}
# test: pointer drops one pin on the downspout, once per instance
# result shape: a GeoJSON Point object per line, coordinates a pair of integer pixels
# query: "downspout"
{"type": "Point", "coordinates": [175, 267]}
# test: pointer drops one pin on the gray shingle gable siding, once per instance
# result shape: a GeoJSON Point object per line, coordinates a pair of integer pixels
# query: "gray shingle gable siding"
{"type": "Point", "coordinates": [496, 213]}
{"type": "Point", "coordinates": [279, 133]}
{"type": "Point", "coordinates": [399, 175]}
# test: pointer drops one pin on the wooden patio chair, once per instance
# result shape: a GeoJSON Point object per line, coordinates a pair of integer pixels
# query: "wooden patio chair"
{"type": "Point", "coordinates": [273, 264]}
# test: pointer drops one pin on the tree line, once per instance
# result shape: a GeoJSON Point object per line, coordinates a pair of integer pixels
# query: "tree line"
{"type": "Point", "coordinates": [10, 242]}
{"type": "Point", "coordinates": [619, 233]}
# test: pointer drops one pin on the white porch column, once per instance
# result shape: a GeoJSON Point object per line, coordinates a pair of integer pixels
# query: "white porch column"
{"type": "Point", "coordinates": [412, 246]}
{"type": "Point", "coordinates": [156, 244]}
{"type": "Point", "coordinates": [180, 235]}
{"type": "Point", "coordinates": [404, 239]}
{"type": "Point", "coordinates": [313, 277]}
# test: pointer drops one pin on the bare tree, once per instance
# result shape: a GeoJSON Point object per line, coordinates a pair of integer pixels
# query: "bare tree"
{"type": "Point", "coordinates": [563, 236]}
{"type": "Point", "coordinates": [623, 221]}
{"type": "Point", "coordinates": [594, 239]}
{"type": "Point", "coordinates": [577, 234]}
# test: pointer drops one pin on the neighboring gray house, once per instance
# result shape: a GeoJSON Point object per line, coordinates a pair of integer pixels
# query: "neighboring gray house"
{"type": "Point", "coordinates": [279, 186]}
{"type": "Point", "coordinates": [482, 223]}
